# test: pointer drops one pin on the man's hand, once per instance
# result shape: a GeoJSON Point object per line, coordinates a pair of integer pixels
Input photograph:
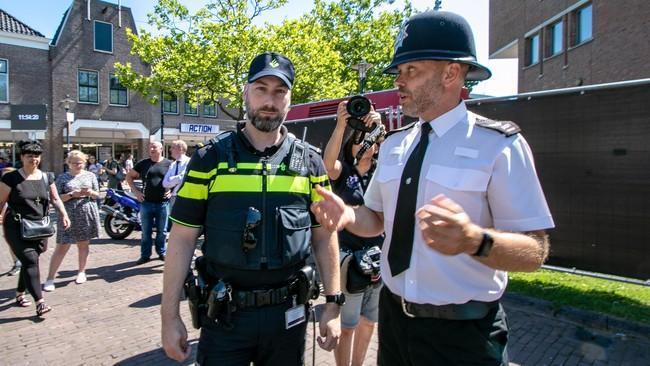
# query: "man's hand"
{"type": "Point", "coordinates": [174, 339]}
{"type": "Point", "coordinates": [139, 196]}
{"type": "Point", "coordinates": [329, 327]}
{"type": "Point", "coordinates": [331, 212]}
{"type": "Point", "coordinates": [168, 194]}
{"type": "Point", "coordinates": [446, 227]}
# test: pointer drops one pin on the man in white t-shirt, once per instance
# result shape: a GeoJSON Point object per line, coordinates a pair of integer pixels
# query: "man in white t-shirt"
{"type": "Point", "coordinates": [459, 199]}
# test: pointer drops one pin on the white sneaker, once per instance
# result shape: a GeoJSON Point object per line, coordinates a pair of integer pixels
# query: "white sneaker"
{"type": "Point", "coordinates": [81, 278]}
{"type": "Point", "coordinates": [48, 286]}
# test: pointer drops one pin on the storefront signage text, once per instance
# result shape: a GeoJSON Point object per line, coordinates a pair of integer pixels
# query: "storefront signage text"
{"type": "Point", "coordinates": [199, 128]}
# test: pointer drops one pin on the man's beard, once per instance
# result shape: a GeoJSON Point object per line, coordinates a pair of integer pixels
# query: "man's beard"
{"type": "Point", "coordinates": [426, 97]}
{"type": "Point", "coordinates": [265, 124]}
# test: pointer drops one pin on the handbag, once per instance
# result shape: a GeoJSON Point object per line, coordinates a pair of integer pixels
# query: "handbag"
{"type": "Point", "coordinates": [36, 229]}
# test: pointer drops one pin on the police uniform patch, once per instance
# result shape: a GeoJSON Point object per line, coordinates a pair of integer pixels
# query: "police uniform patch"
{"type": "Point", "coordinates": [507, 128]}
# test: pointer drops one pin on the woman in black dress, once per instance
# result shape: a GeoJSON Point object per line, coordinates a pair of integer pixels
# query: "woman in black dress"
{"type": "Point", "coordinates": [27, 194]}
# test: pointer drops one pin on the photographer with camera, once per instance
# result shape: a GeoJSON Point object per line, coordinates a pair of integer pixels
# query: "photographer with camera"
{"type": "Point", "coordinates": [350, 176]}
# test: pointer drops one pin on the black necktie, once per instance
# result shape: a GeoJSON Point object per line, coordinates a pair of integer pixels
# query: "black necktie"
{"type": "Point", "coordinates": [401, 243]}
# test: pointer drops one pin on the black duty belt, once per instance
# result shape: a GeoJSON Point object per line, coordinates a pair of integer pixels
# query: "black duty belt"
{"type": "Point", "coordinates": [469, 310]}
{"type": "Point", "coordinates": [265, 297]}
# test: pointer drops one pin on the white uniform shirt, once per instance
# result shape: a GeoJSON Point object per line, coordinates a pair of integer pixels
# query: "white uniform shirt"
{"type": "Point", "coordinates": [490, 175]}
{"type": "Point", "coordinates": [174, 176]}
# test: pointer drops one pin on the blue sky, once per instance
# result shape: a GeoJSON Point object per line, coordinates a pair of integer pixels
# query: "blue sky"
{"type": "Point", "coordinates": [45, 15]}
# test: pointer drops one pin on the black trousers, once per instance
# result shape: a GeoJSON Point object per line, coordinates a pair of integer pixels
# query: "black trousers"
{"type": "Point", "coordinates": [27, 251]}
{"type": "Point", "coordinates": [258, 336]}
{"type": "Point", "coordinates": [428, 341]}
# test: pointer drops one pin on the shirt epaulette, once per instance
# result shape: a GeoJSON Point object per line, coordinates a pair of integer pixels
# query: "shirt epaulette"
{"type": "Point", "coordinates": [403, 128]}
{"type": "Point", "coordinates": [314, 149]}
{"type": "Point", "coordinates": [507, 128]}
{"type": "Point", "coordinates": [204, 147]}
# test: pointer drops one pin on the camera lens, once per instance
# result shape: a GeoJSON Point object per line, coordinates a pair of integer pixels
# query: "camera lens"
{"type": "Point", "coordinates": [358, 106]}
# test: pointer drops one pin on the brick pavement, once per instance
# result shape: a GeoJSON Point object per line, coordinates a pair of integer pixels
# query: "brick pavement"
{"type": "Point", "coordinates": [114, 319]}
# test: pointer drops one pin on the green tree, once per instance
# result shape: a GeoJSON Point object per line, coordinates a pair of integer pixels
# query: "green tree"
{"type": "Point", "coordinates": [363, 31]}
{"type": "Point", "coordinates": [206, 55]}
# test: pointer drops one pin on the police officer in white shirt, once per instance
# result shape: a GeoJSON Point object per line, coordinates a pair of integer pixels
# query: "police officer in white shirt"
{"type": "Point", "coordinates": [460, 202]}
{"type": "Point", "coordinates": [174, 176]}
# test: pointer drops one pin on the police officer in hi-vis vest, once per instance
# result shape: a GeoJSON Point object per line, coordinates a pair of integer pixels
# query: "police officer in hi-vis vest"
{"type": "Point", "coordinates": [459, 199]}
{"type": "Point", "coordinates": [250, 191]}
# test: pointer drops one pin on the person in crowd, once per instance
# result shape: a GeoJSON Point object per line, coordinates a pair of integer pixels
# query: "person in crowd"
{"type": "Point", "coordinates": [255, 212]}
{"type": "Point", "coordinates": [176, 172]}
{"type": "Point", "coordinates": [128, 162]}
{"type": "Point", "coordinates": [96, 168]}
{"type": "Point", "coordinates": [154, 198]}
{"type": "Point", "coordinates": [29, 192]}
{"type": "Point", "coordinates": [116, 173]}
{"type": "Point", "coordinates": [349, 181]}
{"type": "Point", "coordinates": [3, 162]}
{"type": "Point", "coordinates": [79, 190]}
{"type": "Point", "coordinates": [17, 265]}
{"type": "Point", "coordinates": [459, 199]}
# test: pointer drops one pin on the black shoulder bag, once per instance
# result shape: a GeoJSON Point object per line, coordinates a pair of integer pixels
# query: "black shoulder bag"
{"type": "Point", "coordinates": [40, 228]}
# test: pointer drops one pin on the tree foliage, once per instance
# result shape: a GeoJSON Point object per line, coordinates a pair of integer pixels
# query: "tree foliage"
{"type": "Point", "coordinates": [205, 56]}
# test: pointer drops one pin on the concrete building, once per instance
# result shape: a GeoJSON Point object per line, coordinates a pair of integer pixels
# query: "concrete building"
{"type": "Point", "coordinates": [567, 43]}
{"type": "Point", "coordinates": [75, 73]}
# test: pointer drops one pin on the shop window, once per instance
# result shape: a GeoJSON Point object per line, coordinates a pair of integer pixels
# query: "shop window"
{"type": "Point", "coordinates": [583, 20]}
{"type": "Point", "coordinates": [532, 50]}
{"type": "Point", "coordinates": [190, 109]}
{"type": "Point", "coordinates": [170, 103]}
{"type": "Point", "coordinates": [88, 86]}
{"type": "Point", "coordinates": [4, 81]}
{"type": "Point", "coordinates": [119, 95]}
{"type": "Point", "coordinates": [209, 109]}
{"type": "Point", "coordinates": [555, 44]}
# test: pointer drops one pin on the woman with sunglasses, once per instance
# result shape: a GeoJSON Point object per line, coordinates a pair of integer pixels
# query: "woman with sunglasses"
{"type": "Point", "coordinates": [350, 177]}
{"type": "Point", "coordinates": [28, 192]}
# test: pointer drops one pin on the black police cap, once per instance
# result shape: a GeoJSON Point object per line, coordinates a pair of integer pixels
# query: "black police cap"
{"type": "Point", "coordinates": [437, 35]}
{"type": "Point", "coordinates": [272, 64]}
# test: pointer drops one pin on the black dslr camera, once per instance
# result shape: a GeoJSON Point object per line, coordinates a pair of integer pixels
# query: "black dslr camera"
{"type": "Point", "coordinates": [358, 106]}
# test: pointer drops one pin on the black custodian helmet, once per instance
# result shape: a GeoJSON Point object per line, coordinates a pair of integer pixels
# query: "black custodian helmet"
{"type": "Point", "coordinates": [437, 35]}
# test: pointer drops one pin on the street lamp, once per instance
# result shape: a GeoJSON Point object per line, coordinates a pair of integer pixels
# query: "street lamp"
{"type": "Point", "coordinates": [362, 67]}
{"type": "Point", "coordinates": [162, 120]}
{"type": "Point", "coordinates": [69, 117]}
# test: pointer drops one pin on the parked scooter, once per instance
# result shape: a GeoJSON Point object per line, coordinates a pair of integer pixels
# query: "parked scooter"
{"type": "Point", "coordinates": [122, 214]}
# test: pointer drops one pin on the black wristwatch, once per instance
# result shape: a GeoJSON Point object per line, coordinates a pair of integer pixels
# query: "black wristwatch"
{"type": "Point", "coordinates": [486, 246]}
{"type": "Point", "coordinates": [338, 299]}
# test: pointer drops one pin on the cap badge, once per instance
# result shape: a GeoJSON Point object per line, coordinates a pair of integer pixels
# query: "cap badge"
{"type": "Point", "coordinates": [274, 63]}
{"type": "Point", "coordinates": [401, 36]}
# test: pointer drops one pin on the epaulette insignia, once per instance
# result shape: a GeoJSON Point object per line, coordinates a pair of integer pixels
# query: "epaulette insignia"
{"type": "Point", "coordinates": [403, 128]}
{"type": "Point", "coordinates": [507, 128]}
{"type": "Point", "coordinates": [314, 149]}
{"type": "Point", "coordinates": [202, 148]}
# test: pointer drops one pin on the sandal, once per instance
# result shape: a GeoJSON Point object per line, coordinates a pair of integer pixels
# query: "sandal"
{"type": "Point", "coordinates": [22, 301]}
{"type": "Point", "coordinates": [42, 308]}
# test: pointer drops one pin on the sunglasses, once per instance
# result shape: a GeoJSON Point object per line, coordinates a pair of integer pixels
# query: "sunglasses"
{"type": "Point", "coordinates": [253, 219]}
